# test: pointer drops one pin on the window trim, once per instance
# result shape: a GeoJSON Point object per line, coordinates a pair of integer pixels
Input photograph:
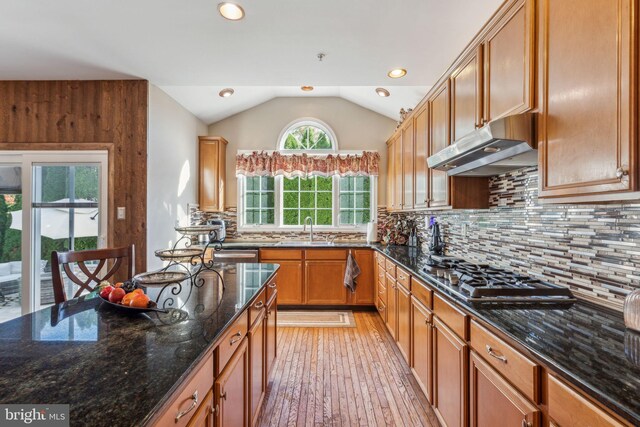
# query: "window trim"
{"type": "Point", "coordinates": [278, 211]}
{"type": "Point", "coordinates": [307, 121]}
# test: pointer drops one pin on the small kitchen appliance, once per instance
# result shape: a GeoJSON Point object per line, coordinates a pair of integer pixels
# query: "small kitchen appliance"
{"type": "Point", "coordinates": [436, 244]}
{"type": "Point", "coordinates": [222, 232]}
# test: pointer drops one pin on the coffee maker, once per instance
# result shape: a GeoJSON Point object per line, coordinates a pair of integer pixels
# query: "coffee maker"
{"type": "Point", "coordinates": [436, 242]}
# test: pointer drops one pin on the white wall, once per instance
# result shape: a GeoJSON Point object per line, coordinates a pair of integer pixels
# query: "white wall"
{"type": "Point", "coordinates": [172, 169]}
{"type": "Point", "coordinates": [258, 128]}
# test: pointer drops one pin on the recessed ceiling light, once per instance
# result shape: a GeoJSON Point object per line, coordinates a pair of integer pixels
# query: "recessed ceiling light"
{"type": "Point", "coordinates": [231, 11]}
{"type": "Point", "coordinates": [306, 88]}
{"type": "Point", "coordinates": [382, 92]}
{"type": "Point", "coordinates": [396, 73]}
{"type": "Point", "coordinates": [225, 93]}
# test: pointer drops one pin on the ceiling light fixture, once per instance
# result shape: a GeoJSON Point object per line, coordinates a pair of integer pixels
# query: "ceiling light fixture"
{"type": "Point", "coordinates": [231, 11]}
{"type": "Point", "coordinates": [225, 93]}
{"type": "Point", "coordinates": [382, 92]}
{"type": "Point", "coordinates": [306, 88]}
{"type": "Point", "coordinates": [396, 73]}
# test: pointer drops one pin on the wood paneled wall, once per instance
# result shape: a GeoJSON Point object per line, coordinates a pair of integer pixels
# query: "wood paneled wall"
{"type": "Point", "coordinates": [88, 115]}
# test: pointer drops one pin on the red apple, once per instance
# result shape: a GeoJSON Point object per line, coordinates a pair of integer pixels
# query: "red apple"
{"type": "Point", "coordinates": [116, 295]}
{"type": "Point", "coordinates": [104, 293]}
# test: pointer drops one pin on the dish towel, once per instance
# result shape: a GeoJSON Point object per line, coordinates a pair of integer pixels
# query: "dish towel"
{"type": "Point", "coordinates": [351, 272]}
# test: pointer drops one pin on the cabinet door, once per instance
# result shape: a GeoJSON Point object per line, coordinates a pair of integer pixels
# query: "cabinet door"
{"type": "Point", "coordinates": [439, 139]}
{"type": "Point", "coordinates": [587, 132]}
{"type": "Point", "coordinates": [289, 282]}
{"type": "Point", "coordinates": [391, 176]}
{"type": "Point", "coordinates": [230, 389]}
{"type": "Point", "coordinates": [466, 96]}
{"type": "Point", "coordinates": [257, 346]}
{"type": "Point", "coordinates": [365, 293]}
{"type": "Point", "coordinates": [421, 347]}
{"type": "Point", "coordinates": [392, 307]}
{"type": "Point", "coordinates": [203, 416]}
{"type": "Point", "coordinates": [211, 173]}
{"type": "Point", "coordinates": [421, 152]}
{"type": "Point", "coordinates": [398, 183]}
{"type": "Point", "coordinates": [324, 281]}
{"type": "Point", "coordinates": [509, 62]}
{"type": "Point", "coordinates": [407, 164]}
{"type": "Point", "coordinates": [450, 376]}
{"type": "Point", "coordinates": [271, 335]}
{"type": "Point", "coordinates": [404, 322]}
{"type": "Point", "coordinates": [495, 402]}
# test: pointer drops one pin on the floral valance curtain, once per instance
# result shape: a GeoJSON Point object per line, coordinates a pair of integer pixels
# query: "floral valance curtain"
{"type": "Point", "coordinates": [303, 165]}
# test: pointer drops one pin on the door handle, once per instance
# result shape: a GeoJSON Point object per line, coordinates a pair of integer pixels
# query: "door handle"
{"type": "Point", "coordinates": [194, 403]}
{"type": "Point", "coordinates": [495, 355]}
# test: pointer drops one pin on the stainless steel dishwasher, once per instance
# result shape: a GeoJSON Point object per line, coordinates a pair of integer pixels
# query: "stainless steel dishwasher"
{"type": "Point", "coordinates": [236, 255]}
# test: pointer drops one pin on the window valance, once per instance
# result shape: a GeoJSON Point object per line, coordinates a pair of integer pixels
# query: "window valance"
{"type": "Point", "coordinates": [304, 165]}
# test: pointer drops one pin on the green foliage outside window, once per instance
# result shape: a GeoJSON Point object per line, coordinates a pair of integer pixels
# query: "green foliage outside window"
{"type": "Point", "coordinates": [308, 138]}
{"type": "Point", "coordinates": [355, 200]}
{"type": "Point", "coordinates": [303, 197]}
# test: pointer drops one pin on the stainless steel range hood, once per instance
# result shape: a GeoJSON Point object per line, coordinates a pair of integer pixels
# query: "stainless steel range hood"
{"type": "Point", "coordinates": [500, 146]}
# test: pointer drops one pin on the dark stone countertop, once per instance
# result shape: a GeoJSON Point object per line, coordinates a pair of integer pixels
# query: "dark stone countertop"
{"type": "Point", "coordinates": [583, 343]}
{"type": "Point", "coordinates": [114, 369]}
{"type": "Point", "coordinates": [257, 244]}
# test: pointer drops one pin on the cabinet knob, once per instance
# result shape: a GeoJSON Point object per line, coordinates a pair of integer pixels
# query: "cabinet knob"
{"type": "Point", "coordinates": [621, 173]}
{"type": "Point", "coordinates": [526, 423]}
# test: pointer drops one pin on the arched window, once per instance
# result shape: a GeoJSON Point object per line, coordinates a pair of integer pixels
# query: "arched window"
{"type": "Point", "coordinates": [308, 135]}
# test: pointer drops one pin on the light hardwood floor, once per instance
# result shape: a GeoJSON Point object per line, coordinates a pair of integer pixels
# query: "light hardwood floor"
{"type": "Point", "coordinates": [343, 377]}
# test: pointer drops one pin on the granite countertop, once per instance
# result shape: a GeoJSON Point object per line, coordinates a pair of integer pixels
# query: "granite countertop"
{"type": "Point", "coordinates": [114, 369]}
{"type": "Point", "coordinates": [256, 244]}
{"type": "Point", "coordinates": [586, 344]}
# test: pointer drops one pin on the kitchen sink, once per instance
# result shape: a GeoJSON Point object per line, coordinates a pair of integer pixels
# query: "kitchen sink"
{"type": "Point", "coordinates": [304, 243]}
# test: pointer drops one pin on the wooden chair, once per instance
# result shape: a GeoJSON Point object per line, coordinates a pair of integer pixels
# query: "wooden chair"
{"type": "Point", "coordinates": [64, 259]}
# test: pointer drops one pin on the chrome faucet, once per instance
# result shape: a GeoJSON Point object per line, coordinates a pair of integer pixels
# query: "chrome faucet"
{"type": "Point", "coordinates": [304, 228]}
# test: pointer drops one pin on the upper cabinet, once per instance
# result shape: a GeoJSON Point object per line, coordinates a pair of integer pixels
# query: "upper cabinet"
{"type": "Point", "coordinates": [398, 190]}
{"type": "Point", "coordinates": [588, 93]}
{"type": "Point", "coordinates": [466, 95]}
{"type": "Point", "coordinates": [508, 54]}
{"type": "Point", "coordinates": [421, 152]}
{"type": "Point", "coordinates": [407, 164]}
{"type": "Point", "coordinates": [439, 133]}
{"type": "Point", "coordinates": [211, 159]}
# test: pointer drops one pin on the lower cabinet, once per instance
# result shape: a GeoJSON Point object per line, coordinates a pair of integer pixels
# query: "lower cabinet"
{"type": "Point", "coordinates": [365, 293]}
{"type": "Point", "coordinates": [204, 415]}
{"type": "Point", "coordinates": [392, 306]}
{"type": "Point", "coordinates": [257, 368]}
{"type": "Point", "coordinates": [450, 379]}
{"type": "Point", "coordinates": [289, 281]}
{"type": "Point", "coordinates": [230, 389]}
{"type": "Point", "coordinates": [422, 347]}
{"type": "Point", "coordinates": [324, 282]}
{"type": "Point", "coordinates": [404, 322]}
{"type": "Point", "coordinates": [271, 335]}
{"type": "Point", "coordinates": [494, 402]}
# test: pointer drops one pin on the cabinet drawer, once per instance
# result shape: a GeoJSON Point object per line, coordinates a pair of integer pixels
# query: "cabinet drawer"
{"type": "Point", "coordinates": [455, 319]}
{"type": "Point", "coordinates": [258, 306]}
{"type": "Point", "coordinates": [272, 287]}
{"type": "Point", "coordinates": [232, 339]}
{"type": "Point", "coordinates": [192, 393]}
{"type": "Point", "coordinates": [403, 278]}
{"type": "Point", "coordinates": [381, 273]}
{"type": "Point", "coordinates": [382, 309]}
{"type": "Point", "coordinates": [422, 293]}
{"type": "Point", "coordinates": [390, 267]}
{"type": "Point", "coordinates": [570, 409]}
{"type": "Point", "coordinates": [380, 260]}
{"type": "Point", "coordinates": [340, 254]}
{"type": "Point", "coordinates": [276, 254]}
{"type": "Point", "coordinates": [513, 365]}
{"type": "Point", "coordinates": [382, 291]}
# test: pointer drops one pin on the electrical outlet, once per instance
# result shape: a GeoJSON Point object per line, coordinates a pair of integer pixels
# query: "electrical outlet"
{"type": "Point", "coordinates": [121, 212]}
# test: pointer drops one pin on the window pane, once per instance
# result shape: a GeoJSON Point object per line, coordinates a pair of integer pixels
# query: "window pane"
{"type": "Point", "coordinates": [307, 137]}
{"type": "Point", "coordinates": [268, 183]}
{"type": "Point", "coordinates": [324, 183]}
{"type": "Point", "coordinates": [291, 184]}
{"type": "Point", "coordinates": [307, 200]}
{"type": "Point", "coordinates": [346, 201]}
{"type": "Point", "coordinates": [267, 200]}
{"type": "Point", "coordinates": [11, 244]}
{"type": "Point", "coordinates": [252, 200]}
{"type": "Point", "coordinates": [251, 216]}
{"type": "Point", "coordinates": [290, 216]}
{"type": "Point", "coordinates": [362, 216]}
{"type": "Point", "coordinates": [251, 183]}
{"type": "Point", "coordinates": [346, 217]}
{"type": "Point", "coordinates": [362, 183]}
{"type": "Point", "coordinates": [346, 183]}
{"type": "Point", "coordinates": [324, 216]}
{"type": "Point", "coordinates": [267, 216]}
{"type": "Point", "coordinates": [307, 184]}
{"type": "Point", "coordinates": [259, 202]}
{"type": "Point", "coordinates": [60, 183]}
{"type": "Point", "coordinates": [362, 200]}
{"type": "Point", "coordinates": [290, 200]}
{"type": "Point", "coordinates": [324, 200]}
{"type": "Point", "coordinates": [355, 200]}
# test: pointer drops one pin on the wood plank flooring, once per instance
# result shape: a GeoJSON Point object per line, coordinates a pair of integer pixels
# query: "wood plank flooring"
{"type": "Point", "coordinates": [343, 377]}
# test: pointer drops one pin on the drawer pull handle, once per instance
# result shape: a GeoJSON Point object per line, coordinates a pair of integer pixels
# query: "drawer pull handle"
{"type": "Point", "coordinates": [235, 338]}
{"type": "Point", "coordinates": [194, 403]}
{"type": "Point", "coordinates": [495, 355]}
{"type": "Point", "coordinates": [223, 395]}
{"type": "Point", "coordinates": [272, 285]}
{"type": "Point", "coordinates": [427, 322]}
{"type": "Point", "coordinates": [526, 423]}
{"type": "Point", "coordinates": [259, 305]}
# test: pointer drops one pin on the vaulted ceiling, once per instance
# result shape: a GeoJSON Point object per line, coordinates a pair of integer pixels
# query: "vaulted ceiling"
{"type": "Point", "coordinates": [191, 52]}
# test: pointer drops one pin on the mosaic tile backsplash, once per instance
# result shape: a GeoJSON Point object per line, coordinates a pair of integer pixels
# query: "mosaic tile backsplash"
{"type": "Point", "coordinates": [593, 249]}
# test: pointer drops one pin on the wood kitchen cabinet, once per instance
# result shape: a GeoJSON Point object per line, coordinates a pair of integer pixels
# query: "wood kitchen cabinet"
{"type": "Point", "coordinates": [404, 321]}
{"type": "Point", "coordinates": [271, 336]}
{"type": "Point", "coordinates": [398, 182]}
{"type": "Point", "coordinates": [407, 133]}
{"type": "Point", "coordinates": [587, 134]}
{"type": "Point", "coordinates": [421, 152]}
{"type": "Point", "coordinates": [204, 415]}
{"type": "Point", "coordinates": [509, 63]}
{"type": "Point", "coordinates": [211, 173]}
{"type": "Point", "coordinates": [391, 174]}
{"type": "Point", "coordinates": [324, 282]}
{"type": "Point", "coordinates": [466, 96]}
{"type": "Point", "coordinates": [392, 307]}
{"type": "Point", "coordinates": [290, 287]}
{"type": "Point", "coordinates": [231, 389]}
{"type": "Point", "coordinates": [422, 347]}
{"type": "Point", "coordinates": [257, 335]}
{"type": "Point", "coordinates": [365, 283]}
{"type": "Point", "coordinates": [450, 376]}
{"type": "Point", "coordinates": [439, 138]}
{"type": "Point", "coordinates": [493, 401]}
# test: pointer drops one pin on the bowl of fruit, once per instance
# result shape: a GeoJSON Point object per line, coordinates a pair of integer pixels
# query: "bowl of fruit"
{"type": "Point", "coordinates": [127, 297]}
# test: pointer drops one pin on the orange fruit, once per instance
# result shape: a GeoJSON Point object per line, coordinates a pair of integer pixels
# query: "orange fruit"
{"type": "Point", "coordinates": [128, 297]}
{"type": "Point", "coordinates": [139, 301]}
{"type": "Point", "coordinates": [137, 291]}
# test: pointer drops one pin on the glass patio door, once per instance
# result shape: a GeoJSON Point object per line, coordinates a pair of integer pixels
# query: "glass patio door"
{"type": "Point", "coordinates": [63, 205]}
